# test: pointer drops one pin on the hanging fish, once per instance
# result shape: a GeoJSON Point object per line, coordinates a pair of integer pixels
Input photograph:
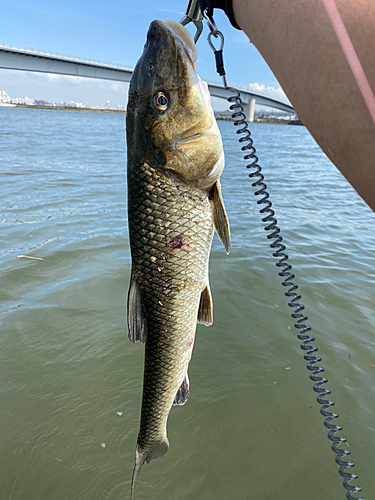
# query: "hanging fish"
{"type": "Point", "coordinates": [175, 159]}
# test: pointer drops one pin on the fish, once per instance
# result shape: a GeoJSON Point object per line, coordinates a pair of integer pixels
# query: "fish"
{"type": "Point", "coordinates": [175, 159]}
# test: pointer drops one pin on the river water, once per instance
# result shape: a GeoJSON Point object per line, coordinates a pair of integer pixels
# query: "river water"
{"type": "Point", "coordinates": [70, 380]}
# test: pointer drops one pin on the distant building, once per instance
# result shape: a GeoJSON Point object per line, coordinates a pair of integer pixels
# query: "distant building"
{"type": "Point", "coordinates": [70, 104]}
{"type": "Point", "coordinates": [4, 97]}
{"type": "Point", "coordinates": [40, 103]}
{"type": "Point", "coordinates": [22, 100]}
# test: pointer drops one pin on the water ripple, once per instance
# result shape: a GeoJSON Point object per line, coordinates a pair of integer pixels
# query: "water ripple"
{"type": "Point", "coordinates": [67, 367]}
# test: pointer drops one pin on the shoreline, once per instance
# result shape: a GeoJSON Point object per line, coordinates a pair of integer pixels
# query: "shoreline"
{"type": "Point", "coordinates": [123, 111]}
{"type": "Point", "coordinates": [264, 120]}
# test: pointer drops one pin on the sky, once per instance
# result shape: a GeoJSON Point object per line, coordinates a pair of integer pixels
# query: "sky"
{"type": "Point", "coordinates": [114, 31]}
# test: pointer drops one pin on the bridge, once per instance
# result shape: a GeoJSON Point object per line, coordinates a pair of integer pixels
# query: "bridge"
{"type": "Point", "coordinates": [28, 59]}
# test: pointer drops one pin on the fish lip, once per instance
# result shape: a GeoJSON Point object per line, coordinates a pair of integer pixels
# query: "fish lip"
{"type": "Point", "coordinates": [182, 33]}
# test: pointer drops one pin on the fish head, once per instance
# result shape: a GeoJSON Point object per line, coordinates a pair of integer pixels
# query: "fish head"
{"type": "Point", "coordinates": [170, 121]}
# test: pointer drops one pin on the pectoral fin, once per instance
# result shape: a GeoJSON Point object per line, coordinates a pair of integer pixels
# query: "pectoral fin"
{"type": "Point", "coordinates": [221, 223]}
{"type": "Point", "coordinates": [205, 310]}
{"type": "Point", "coordinates": [137, 323]}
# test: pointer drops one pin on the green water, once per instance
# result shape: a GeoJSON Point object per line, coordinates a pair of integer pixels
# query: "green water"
{"type": "Point", "coordinates": [70, 380]}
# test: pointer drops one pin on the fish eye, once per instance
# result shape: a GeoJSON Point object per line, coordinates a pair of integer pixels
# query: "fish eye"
{"type": "Point", "coordinates": [151, 67]}
{"type": "Point", "coordinates": [160, 101]}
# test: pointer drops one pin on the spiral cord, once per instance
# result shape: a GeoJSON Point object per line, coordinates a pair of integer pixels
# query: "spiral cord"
{"type": "Point", "coordinates": [239, 120]}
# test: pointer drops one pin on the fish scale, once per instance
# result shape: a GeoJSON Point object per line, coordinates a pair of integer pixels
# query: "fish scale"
{"type": "Point", "coordinates": [171, 282]}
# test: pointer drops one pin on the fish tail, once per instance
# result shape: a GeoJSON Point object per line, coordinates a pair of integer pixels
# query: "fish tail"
{"type": "Point", "coordinates": [157, 450]}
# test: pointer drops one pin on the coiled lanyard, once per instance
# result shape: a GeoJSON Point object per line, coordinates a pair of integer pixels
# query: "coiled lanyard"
{"type": "Point", "coordinates": [194, 15]}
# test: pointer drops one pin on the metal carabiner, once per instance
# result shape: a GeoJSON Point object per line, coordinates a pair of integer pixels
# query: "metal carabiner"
{"type": "Point", "coordinates": [216, 34]}
{"type": "Point", "coordinates": [193, 15]}
{"type": "Point", "coordinates": [211, 24]}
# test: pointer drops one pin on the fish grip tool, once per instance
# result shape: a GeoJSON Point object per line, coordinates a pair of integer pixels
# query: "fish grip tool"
{"type": "Point", "coordinates": [193, 15]}
{"type": "Point", "coordinates": [247, 146]}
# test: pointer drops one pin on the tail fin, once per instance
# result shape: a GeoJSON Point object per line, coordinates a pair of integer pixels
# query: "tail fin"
{"type": "Point", "coordinates": [157, 450]}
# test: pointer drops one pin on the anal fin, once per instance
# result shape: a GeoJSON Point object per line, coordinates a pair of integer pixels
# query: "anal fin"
{"type": "Point", "coordinates": [221, 223]}
{"type": "Point", "coordinates": [205, 310]}
{"type": "Point", "coordinates": [182, 393]}
{"type": "Point", "coordinates": [137, 323]}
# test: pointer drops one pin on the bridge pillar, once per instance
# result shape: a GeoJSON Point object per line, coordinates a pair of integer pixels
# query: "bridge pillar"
{"type": "Point", "coordinates": [249, 110]}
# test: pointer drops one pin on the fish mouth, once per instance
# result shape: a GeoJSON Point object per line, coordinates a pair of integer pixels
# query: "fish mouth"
{"type": "Point", "coordinates": [188, 44]}
{"type": "Point", "coordinates": [178, 32]}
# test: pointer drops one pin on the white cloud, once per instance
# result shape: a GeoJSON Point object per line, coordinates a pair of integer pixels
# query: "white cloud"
{"type": "Point", "coordinates": [51, 77]}
{"type": "Point", "coordinates": [42, 12]}
{"type": "Point", "coordinates": [117, 87]}
{"type": "Point", "coordinates": [277, 93]}
{"type": "Point", "coordinates": [179, 12]}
